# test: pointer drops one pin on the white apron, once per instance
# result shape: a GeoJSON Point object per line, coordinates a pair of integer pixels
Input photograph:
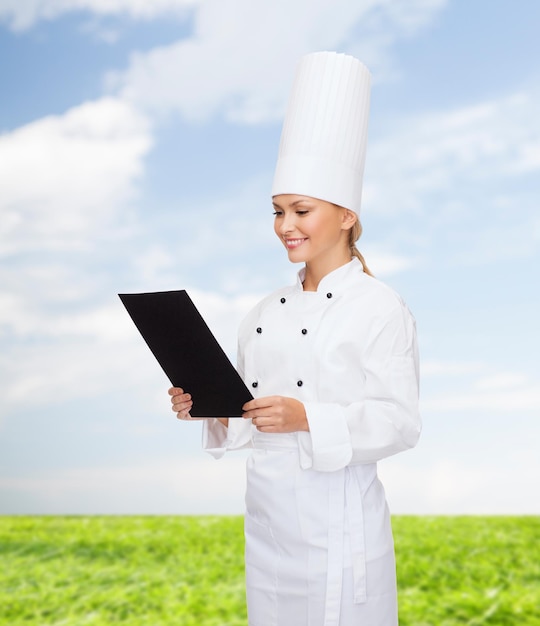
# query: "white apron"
{"type": "Point", "coordinates": [311, 559]}
{"type": "Point", "coordinates": [319, 549]}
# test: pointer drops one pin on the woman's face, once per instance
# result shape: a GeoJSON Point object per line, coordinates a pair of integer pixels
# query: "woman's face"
{"type": "Point", "coordinates": [312, 230]}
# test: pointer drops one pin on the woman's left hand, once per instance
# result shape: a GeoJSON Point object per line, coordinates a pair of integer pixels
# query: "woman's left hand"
{"type": "Point", "coordinates": [276, 414]}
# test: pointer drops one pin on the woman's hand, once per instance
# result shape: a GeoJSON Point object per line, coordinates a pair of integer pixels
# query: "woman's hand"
{"type": "Point", "coordinates": [276, 414]}
{"type": "Point", "coordinates": [182, 403]}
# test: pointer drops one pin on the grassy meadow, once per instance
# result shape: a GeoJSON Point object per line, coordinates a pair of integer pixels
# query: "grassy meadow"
{"type": "Point", "coordinates": [160, 571]}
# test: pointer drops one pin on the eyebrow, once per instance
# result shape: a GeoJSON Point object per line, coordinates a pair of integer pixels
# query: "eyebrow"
{"type": "Point", "coordinates": [293, 204]}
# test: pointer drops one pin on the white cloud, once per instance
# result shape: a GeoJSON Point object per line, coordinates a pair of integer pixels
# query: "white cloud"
{"type": "Point", "coordinates": [241, 57]}
{"type": "Point", "coordinates": [200, 485]}
{"type": "Point", "coordinates": [64, 178]}
{"type": "Point", "coordinates": [502, 380]}
{"type": "Point", "coordinates": [383, 263]}
{"type": "Point", "coordinates": [443, 152]}
{"type": "Point", "coordinates": [476, 387]}
{"type": "Point", "coordinates": [49, 372]}
{"type": "Point", "coordinates": [466, 179]}
{"type": "Point", "coordinates": [23, 14]}
{"type": "Point", "coordinates": [450, 486]}
{"type": "Point", "coordinates": [526, 397]}
{"type": "Point", "coordinates": [189, 485]}
{"type": "Point", "coordinates": [331, 21]}
{"type": "Point", "coordinates": [445, 369]}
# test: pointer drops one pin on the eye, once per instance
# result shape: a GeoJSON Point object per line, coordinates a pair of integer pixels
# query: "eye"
{"type": "Point", "coordinates": [302, 212]}
{"type": "Point", "coordinates": [278, 213]}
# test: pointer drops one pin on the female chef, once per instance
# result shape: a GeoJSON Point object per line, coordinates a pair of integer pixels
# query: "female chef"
{"type": "Point", "coordinates": [333, 365]}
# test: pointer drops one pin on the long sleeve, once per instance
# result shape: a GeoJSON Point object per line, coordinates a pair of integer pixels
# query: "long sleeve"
{"type": "Point", "coordinates": [384, 417]}
{"type": "Point", "coordinates": [217, 439]}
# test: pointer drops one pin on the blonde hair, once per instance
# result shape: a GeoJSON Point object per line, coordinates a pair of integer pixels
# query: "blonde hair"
{"type": "Point", "coordinates": [354, 235]}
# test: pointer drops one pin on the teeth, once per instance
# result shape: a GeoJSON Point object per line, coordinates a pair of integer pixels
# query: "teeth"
{"type": "Point", "coordinates": [293, 242]}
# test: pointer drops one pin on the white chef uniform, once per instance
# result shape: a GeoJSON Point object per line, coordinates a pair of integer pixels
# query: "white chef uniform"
{"type": "Point", "coordinates": [319, 549]}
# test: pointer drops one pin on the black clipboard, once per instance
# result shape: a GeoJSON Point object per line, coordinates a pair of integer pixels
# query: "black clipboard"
{"type": "Point", "coordinates": [188, 352]}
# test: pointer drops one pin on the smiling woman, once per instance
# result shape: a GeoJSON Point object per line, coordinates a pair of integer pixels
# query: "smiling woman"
{"type": "Point", "coordinates": [333, 366]}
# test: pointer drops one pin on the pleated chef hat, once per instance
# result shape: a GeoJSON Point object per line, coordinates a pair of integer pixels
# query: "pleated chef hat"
{"type": "Point", "coordinates": [323, 140]}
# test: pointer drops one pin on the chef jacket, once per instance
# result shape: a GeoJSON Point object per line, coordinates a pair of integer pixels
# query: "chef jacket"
{"type": "Point", "coordinates": [349, 352]}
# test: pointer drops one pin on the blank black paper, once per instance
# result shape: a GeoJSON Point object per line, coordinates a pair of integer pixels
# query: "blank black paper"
{"type": "Point", "coordinates": [188, 352]}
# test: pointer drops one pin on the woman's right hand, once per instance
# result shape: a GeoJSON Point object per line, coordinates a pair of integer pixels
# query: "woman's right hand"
{"type": "Point", "coordinates": [181, 403]}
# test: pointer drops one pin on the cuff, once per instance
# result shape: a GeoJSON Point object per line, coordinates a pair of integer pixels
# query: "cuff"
{"type": "Point", "coordinates": [218, 439]}
{"type": "Point", "coordinates": [215, 437]}
{"type": "Point", "coordinates": [327, 447]}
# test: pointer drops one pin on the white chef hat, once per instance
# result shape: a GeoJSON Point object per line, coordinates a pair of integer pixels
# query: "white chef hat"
{"type": "Point", "coordinates": [323, 140]}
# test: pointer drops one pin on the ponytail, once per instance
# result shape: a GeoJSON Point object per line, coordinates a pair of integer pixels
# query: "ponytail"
{"type": "Point", "coordinates": [354, 235]}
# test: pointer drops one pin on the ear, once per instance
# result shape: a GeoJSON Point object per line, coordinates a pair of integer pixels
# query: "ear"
{"type": "Point", "coordinates": [349, 219]}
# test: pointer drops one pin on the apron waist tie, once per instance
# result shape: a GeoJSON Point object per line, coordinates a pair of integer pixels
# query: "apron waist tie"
{"type": "Point", "coordinates": [342, 509]}
{"type": "Point", "coordinates": [355, 516]}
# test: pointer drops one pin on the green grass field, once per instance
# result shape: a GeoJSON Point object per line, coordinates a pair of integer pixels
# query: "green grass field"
{"type": "Point", "coordinates": [189, 571]}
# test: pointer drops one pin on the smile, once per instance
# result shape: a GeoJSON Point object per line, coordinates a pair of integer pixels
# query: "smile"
{"type": "Point", "coordinates": [294, 243]}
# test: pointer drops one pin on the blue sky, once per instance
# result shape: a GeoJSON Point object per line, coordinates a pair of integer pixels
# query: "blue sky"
{"type": "Point", "coordinates": [137, 147]}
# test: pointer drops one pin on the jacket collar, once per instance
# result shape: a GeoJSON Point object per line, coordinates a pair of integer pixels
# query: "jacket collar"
{"type": "Point", "coordinates": [335, 279]}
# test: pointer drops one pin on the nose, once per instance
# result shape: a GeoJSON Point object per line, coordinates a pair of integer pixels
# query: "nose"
{"type": "Point", "coordinates": [287, 223]}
